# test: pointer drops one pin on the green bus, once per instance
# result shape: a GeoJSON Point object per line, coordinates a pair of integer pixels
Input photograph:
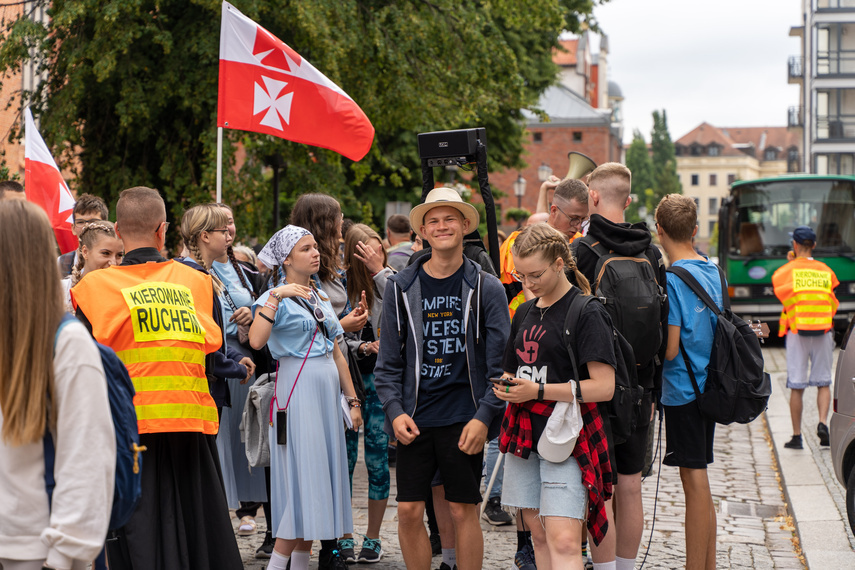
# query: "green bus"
{"type": "Point", "coordinates": [754, 225]}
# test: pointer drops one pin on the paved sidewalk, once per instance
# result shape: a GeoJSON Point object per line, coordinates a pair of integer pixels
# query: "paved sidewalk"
{"type": "Point", "coordinates": [817, 499]}
{"type": "Point", "coordinates": [754, 530]}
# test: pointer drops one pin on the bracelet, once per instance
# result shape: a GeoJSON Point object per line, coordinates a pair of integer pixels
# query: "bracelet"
{"type": "Point", "coordinates": [578, 391]}
{"type": "Point", "coordinates": [275, 295]}
{"type": "Point", "coordinates": [355, 405]}
{"type": "Point", "coordinates": [351, 399]}
{"type": "Point", "coordinates": [265, 317]}
{"type": "Point", "coordinates": [271, 306]}
{"type": "Point", "coordinates": [540, 392]}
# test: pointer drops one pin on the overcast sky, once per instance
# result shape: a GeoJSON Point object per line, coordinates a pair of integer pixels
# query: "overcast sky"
{"type": "Point", "coordinates": [723, 62]}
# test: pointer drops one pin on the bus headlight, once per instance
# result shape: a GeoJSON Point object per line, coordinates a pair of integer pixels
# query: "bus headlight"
{"type": "Point", "coordinates": [741, 292]}
{"type": "Point", "coordinates": [851, 288]}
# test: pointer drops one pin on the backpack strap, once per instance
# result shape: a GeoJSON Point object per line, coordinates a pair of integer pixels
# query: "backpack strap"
{"type": "Point", "coordinates": [596, 247]}
{"type": "Point", "coordinates": [690, 371]}
{"type": "Point", "coordinates": [696, 287]}
{"type": "Point", "coordinates": [571, 321]}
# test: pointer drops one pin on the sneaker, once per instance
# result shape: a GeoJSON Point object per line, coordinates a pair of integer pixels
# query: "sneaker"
{"type": "Point", "coordinates": [524, 559]}
{"type": "Point", "coordinates": [371, 551]}
{"type": "Point", "coordinates": [332, 561]}
{"type": "Point", "coordinates": [795, 443]}
{"type": "Point", "coordinates": [822, 432]}
{"type": "Point", "coordinates": [435, 545]}
{"type": "Point", "coordinates": [444, 566]}
{"type": "Point", "coordinates": [345, 549]}
{"type": "Point", "coordinates": [495, 514]}
{"type": "Point", "coordinates": [266, 549]}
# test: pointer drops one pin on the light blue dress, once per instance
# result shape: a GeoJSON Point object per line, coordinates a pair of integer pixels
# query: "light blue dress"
{"type": "Point", "coordinates": [310, 490]}
{"type": "Point", "coordinates": [242, 482]}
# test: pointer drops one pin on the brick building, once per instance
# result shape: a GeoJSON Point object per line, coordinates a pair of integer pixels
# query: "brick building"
{"type": "Point", "coordinates": [582, 114]}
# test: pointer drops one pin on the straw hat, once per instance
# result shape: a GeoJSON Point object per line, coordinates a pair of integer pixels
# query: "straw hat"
{"type": "Point", "coordinates": [443, 197]}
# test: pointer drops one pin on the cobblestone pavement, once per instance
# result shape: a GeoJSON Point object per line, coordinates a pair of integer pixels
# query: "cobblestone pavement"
{"type": "Point", "coordinates": [776, 361]}
{"type": "Point", "coordinates": [753, 528]}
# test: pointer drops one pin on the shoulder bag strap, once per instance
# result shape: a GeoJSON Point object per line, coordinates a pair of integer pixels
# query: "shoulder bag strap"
{"type": "Point", "coordinates": [275, 399]}
{"type": "Point", "coordinates": [574, 313]}
{"type": "Point", "coordinates": [690, 371]}
{"type": "Point", "coordinates": [693, 284]}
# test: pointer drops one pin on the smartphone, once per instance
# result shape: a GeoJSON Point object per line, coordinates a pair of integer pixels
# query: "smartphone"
{"type": "Point", "coordinates": [503, 381]}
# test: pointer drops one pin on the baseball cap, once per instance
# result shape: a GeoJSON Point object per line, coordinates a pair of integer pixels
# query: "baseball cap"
{"type": "Point", "coordinates": [803, 234]}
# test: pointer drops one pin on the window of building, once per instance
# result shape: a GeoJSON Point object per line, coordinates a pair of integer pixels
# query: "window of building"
{"type": "Point", "coordinates": [713, 204]}
{"type": "Point", "coordinates": [695, 150]}
{"type": "Point", "coordinates": [714, 150]}
{"type": "Point", "coordinates": [577, 136]}
{"type": "Point", "coordinates": [537, 137]}
{"type": "Point", "coordinates": [713, 179]}
{"type": "Point", "coordinates": [695, 178]}
{"type": "Point", "coordinates": [770, 154]}
{"type": "Point", "coordinates": [731, 178]}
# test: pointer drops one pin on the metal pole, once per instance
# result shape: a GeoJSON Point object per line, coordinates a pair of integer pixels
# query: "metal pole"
{"type": "Point", "coordinates": [219, 164]}
{"type": "Point", "coordinates": [276, 164]}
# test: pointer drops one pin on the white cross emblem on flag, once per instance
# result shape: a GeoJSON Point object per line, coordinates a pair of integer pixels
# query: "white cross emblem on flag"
{"type": "Point", "coordinates": [269, 98]}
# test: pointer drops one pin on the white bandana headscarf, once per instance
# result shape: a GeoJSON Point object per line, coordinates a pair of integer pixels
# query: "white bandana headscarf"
{"type": "Point", "coordinates": [276, 251]}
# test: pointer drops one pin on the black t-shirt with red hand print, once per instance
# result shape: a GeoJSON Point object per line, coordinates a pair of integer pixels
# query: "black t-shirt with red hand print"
{"type": "Point", "coordinates": [536, 348]}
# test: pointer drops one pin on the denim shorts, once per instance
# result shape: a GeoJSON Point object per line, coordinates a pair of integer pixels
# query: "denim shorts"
{"type": "Point", "coordinates": [555, 489]}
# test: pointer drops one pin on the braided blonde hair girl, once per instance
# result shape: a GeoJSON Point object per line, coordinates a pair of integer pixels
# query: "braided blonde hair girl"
{"type": "Point", "coordinates": [551, 244]}
{"type": "Point", "coordinates": [198, 219]}
{"type": "Point", "coordinates": [88, 237]}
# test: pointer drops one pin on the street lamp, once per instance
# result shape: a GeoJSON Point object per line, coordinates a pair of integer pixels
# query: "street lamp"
{"type": "Point", "coordinates": [519, 189]}
{"type": "Point", "coordinates": [543, 172]}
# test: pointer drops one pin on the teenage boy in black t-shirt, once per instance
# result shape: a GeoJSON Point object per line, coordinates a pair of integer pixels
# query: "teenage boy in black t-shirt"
{"type": "Point", "coordinates": [444, 327]}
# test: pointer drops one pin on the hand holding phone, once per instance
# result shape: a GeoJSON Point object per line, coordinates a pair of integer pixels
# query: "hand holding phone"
{"type": "Point", "coordinates": [503, 381]}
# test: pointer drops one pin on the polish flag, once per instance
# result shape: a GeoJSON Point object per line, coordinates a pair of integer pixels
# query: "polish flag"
{"type": "Point", "coordinates": [266, 87]}
{"type": "Point", "coordinates": [45, 186]}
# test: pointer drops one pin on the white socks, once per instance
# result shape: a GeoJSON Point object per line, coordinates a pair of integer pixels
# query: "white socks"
{"type": "Point", "coordinates": [277, 561]}
{"type": "Point", "coordinates": [449, 556]}
{"type": "Point", "coordinates": [300, 560]}
{"type": "Point", "coordinates": [605, 565]}
{"type": "Point", "coordinates": [624, 563]}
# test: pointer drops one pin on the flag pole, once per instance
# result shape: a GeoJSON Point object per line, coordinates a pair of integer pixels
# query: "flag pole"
{"type": "Point", "coordinates": [219, 164]}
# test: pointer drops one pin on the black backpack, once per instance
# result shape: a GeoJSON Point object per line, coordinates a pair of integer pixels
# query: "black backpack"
{"type": "Point", "coordinates": [737, 387]}
{"type": "Point", "coordinates": [633, 297]}
{"type": "Point", "coordinates": [625, 407]}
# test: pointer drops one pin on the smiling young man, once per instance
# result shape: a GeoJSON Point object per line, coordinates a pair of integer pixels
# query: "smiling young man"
{"type": "Point", "coordinates": [444, 328]}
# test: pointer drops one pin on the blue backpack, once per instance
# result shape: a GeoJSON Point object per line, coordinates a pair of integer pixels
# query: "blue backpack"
{"type": "Point", "coordinates": [120, 391]}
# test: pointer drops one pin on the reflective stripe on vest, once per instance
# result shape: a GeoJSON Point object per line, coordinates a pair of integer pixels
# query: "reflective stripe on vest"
{"type": "Point", "coordinates": [158, 317]}
{"type": "Point", "coordinates": [805, 287]}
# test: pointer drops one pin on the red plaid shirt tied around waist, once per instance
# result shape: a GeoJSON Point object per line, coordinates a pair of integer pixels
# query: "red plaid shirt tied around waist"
{"type": "Point", "coordinates": [591, 453]}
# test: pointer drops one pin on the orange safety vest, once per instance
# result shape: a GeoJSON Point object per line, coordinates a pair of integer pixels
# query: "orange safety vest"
{"type": "Point", "coordinates": [158, 317]}
{"type": "Point", "coordinates": [506, 269]}
{"type": "Point", "coordinates": [806, 288]}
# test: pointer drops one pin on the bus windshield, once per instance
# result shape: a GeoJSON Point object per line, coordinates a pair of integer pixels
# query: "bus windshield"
{"type": "Point", "coordinates": [763, 214]}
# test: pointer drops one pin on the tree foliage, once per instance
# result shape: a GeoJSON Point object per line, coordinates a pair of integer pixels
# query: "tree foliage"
{"type": "Point", "coordinates": [665, 177]}
{"type": "Point", "coordinates": [131, 91]}
{"type": "Point", "coordinates": [639, 163]}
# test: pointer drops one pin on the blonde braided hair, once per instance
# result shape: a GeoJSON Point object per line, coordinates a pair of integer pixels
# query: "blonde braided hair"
{"type": "Point", "coordinates": [198, 219]}
{"type": "Point", "coordinates": [551, 244]}
{"type": "Point", "coordinates": [88, 237]}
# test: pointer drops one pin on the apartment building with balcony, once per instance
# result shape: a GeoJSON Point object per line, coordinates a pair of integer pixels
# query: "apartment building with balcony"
{"type": "Point", "coordinates": [825, 72]}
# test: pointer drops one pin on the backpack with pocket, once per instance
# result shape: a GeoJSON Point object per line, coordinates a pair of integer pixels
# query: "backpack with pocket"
{"type": "Point", "coordinates": [120, 392]}
{"type": "Point", "coordinates": [625, 407]}
{"type": "Point", "coordinates": [737, 387]}
{"type": "Point", "coordinates": [629, 289]}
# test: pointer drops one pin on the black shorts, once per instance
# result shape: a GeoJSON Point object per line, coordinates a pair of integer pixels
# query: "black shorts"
{"type": "Point", "coordinates": [629, 455]}
{"type": "Point", "coordinates": [434, 449]}
{"type": "Point", "coordinates": [688, 437]}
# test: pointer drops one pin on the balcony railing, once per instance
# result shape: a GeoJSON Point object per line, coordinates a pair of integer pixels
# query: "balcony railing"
{"type": "Point", "coordinates": [795, 117]}
{"type": "Point", "coordinates": [834, 4]}
{"type": "Point", "coordinates": [836, 62]}
{"type": "Point", "coordinates": [795, 69]}
{"type": "Point", "coordinates": [835, 127]}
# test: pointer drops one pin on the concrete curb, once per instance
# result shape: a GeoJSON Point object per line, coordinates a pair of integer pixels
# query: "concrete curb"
{"type": "Point", "coordinates": [820, 527]}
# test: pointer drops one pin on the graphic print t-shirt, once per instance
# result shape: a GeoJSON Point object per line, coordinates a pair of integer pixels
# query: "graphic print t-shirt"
{"type": "Point", "coordinates": [537, 349]}
{"type": "Point", "coordinates": [445, 395]}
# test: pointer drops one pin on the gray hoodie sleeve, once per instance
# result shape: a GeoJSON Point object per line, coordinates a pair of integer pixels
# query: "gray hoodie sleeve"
{"type": "Point", "coordinates": [497, 324]}
{"type": "Point", "coordinates": [389, 371]}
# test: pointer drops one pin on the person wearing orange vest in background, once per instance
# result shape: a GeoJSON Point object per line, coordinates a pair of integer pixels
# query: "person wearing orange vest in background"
{"type": "Point", "coordinates": [157, 316]}
{"type": "Point", "coordinates": [806, 288]}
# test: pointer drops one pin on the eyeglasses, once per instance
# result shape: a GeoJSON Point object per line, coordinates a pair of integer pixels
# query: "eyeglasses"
{"type": "Point", "coordinates": [165, 227]}
{"type": "Point", "coordinates": [574, 220]}
{"type": "Point", "coordinates": [82, 222]}
{"type": "Point", "coordinates": [533, 279]}
{"type": "Point", "coordinates": [225, 231]}
{"type": "Point", "coordinates": [318, 313]}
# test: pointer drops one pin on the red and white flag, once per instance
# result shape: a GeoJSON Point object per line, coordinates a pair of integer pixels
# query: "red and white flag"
{"type": "Point", "coordinates": [44, 185]}
{"type": "Point", "coordinates": [266, 87]}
